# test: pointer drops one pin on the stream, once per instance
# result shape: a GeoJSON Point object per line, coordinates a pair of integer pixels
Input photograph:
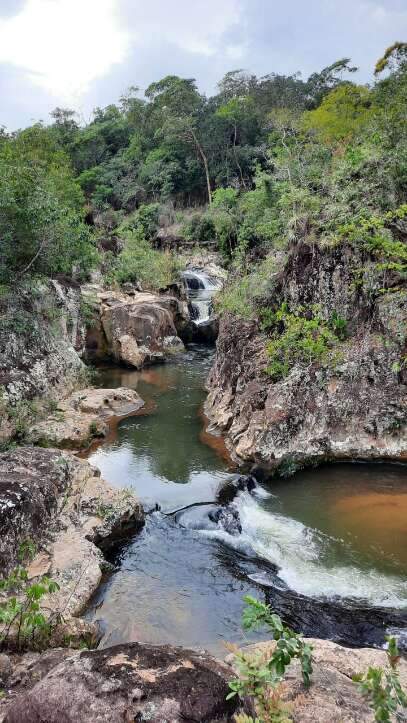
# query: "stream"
{"type": "Point", "coordinates": [326, 548]}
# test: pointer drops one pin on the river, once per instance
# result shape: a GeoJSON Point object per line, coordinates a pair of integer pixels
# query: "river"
{"type": "Point", "coordinates": [326, 548]}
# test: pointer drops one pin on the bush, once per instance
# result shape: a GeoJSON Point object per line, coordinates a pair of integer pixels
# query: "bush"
{"type": "Point", "coordinates": [296, 338]}
{"type": "Point", "coordinates": [22, 622]}
{"type": "Point", "coordinates": [139, 262]}
{"type": "Point", "coordinates": [199, 228]}
{"type": "Point", "coordinates": [382, 688]}
{"type": "Point", "coordinates": [260, 676]}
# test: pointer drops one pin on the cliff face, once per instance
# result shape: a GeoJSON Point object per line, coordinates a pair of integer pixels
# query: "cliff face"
{"type": "Point", "coordinates": [353, 407]}
{"type": "Point", "coordinates": [41, 338]}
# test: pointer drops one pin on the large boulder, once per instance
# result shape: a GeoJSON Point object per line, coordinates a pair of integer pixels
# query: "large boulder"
{"type": "Point", "coordinates": [66, 508]}
{"type": "Point", "coordinates": [32, 482]}
{"type": "Point", "coordinates": [137, 328]}
{"type": "Point", "coordinates": [132, 682]}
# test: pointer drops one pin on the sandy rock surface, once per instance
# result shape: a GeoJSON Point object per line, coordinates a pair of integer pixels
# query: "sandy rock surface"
{"type": "Point", "coordinates": [84, 415]}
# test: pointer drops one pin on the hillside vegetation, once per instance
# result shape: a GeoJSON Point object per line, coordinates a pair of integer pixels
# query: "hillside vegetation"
{"type": "Point", "coordinates": [266, 163]}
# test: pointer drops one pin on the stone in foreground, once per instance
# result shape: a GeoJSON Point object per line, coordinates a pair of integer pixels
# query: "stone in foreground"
{"type": "Point", "coordinates": [132, 682]}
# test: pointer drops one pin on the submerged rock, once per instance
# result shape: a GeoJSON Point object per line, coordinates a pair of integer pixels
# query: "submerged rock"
{"type": "Point", "coordinates": [128, 683]}
{"type": "Point", "coordinates": [227, 518]}
{"type": "Point", "coordinates": [229, 489]}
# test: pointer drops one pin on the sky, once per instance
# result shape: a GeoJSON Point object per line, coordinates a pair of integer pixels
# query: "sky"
{"type": "Point", "coordinates": [85, 53]}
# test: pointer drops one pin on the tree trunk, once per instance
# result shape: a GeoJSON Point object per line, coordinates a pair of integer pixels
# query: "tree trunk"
{"type": "Point", "coordinates": [236, 159]}
{"type": "Point", "coordinates": [205, 163]}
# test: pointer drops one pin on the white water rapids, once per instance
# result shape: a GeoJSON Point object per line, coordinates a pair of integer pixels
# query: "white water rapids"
{"type": "Point", "coordinates": [201, 289]}
{"type": "Point", "coordinates": [299, 551]}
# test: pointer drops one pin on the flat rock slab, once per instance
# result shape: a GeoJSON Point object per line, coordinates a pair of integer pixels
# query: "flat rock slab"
{"type": "Point", "coordinates": [132, 682]}
{"type": "Point", "coordinates": [83, 416]}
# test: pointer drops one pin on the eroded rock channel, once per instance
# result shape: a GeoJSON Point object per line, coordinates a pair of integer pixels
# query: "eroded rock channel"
{"type": "Point", "coordinates": [311, 544]}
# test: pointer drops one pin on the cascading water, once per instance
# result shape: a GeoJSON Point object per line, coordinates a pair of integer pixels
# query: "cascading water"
{"type": "Point", "coordinates": [201, 287]}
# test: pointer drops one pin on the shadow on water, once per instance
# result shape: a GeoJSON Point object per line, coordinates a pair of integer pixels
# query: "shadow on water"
{"type": "Point", "coordinates": [308, 545]}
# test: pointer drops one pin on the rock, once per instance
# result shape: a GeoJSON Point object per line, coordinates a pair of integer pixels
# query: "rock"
{"type": "Point", "coordinates": [63, 505]}
{"type": "Point", "coordinates": [92, 517]}
{"type": "Point", "coordinates": [134, 328]}
{"type": "Point", "coordinates": [5, 668]}
{"type": "Point", "coordinates": [84, 415]}
{"type": "Point", "coordinates": [207, 331]}
{"type": "Point", "coordinates": [332, 697]}
{"type": "Point", "coordinates": [227, 518]}
{"type": "Point", "coordinates": [38, 357]}
{"type": "Point", "coordinates": [351, 408]}
{"type": "Point", "coordinates": [127, 683]}
{"type": "Point", "coordinates": [229, 489]}
{"type": "Point", "coordinates": [32, 483]}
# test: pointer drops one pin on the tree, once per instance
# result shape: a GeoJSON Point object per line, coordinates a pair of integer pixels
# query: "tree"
{"type": "Point", "coordinates": [394, 57]}
{"type": "Point", "coordinates": [342, 113]}
{"type": "Point", "coordinates": [178, 103]}
{"type": "Point", "coordinates": [319, 84]}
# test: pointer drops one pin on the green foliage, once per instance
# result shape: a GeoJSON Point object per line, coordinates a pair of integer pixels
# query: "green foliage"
{"type": "Point", "coordinates": [144, 221]}
{"type": "Point", "coordinates": [41, 222]}
{"type": "Point", "coordinates": [302, 337]}
{"type": "Point", "coordinates": [382, 688]}
{"type": "Point", "coordinates": [199, 228]}
{"type": "Point", "coordinates": [374, 235]}
{"type": "Point", "coordinates": [139, 262]}
{"type": "Point", "coordinates": [260, 676]}
{"type": "Point", "coordinates": [23, 622]}
{"type": "Point", "coordinates": [342, 113]}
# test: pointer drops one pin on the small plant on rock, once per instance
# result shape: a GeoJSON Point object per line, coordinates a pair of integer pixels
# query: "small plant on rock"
{"type": "Point", "coordinates": [383, 690]}
{"type": "Point", "coordinates": [22, 622]}
{"type": "Point", "coordinates": [261, 675]}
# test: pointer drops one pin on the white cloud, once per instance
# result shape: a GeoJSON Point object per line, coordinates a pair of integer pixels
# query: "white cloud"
{"type": "Point", "coordinates": [63, 45]}
{"type": "Point", "coordinates": [195, 26]}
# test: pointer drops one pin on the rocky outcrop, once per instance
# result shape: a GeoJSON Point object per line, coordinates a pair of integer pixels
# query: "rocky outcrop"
{"type": "Point", "coordinates": [128, 683]}
{"type": "Point", "coordinates": [83, 416]}
{"type": "Point", "coordinates": [352, 408]}
{"type": "Point", "coordinates": [332, 697]}
{"type": "Point", "coordinates": [62, 505]}
{"type": "Point", "coordinates": [160, 683]}
{"type": "Point", "coordinates": [41, 342]}
{"type": "Point", "coordinates": [41, 336]}
{"type": "Point", "coordinates": [136, 328]}
{"type": "Point", "coordinates": [32, 483]}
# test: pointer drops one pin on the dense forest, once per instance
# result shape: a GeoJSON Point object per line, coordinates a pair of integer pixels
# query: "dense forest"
{"type": "Point", "coordinates": [260, 166]}
{"type": "Point", "coordinates": [266, 161]}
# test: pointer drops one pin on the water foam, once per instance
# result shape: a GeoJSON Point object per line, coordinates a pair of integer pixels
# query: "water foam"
{"type": "Point", "coordinates": [298, 553]}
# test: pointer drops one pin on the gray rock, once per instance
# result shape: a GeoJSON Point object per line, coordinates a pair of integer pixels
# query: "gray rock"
{"type": "Point", "coordinates": [127, 683]}
{"type": "Point", "coordinates": [354, 408]}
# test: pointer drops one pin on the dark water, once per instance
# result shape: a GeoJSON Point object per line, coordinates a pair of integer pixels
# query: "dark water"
{"type": "Point", "coordinates": [327, 548]}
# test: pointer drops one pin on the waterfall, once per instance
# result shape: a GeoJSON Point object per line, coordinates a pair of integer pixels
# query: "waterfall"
{"type": "Point", "coordinates": [201, 287]}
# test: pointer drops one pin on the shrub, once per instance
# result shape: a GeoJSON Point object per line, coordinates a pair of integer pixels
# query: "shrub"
{"type": "Point", "coordinates": [22, 622]}
{"type": "Point", "coordinates": [261, 675]}
{"type": "Point", "coordinates": [199, 228]}
{"type": "Point", "coordinates": [382, 688]}
{"type": "Point", "coordinates": [140, 262]}
{"type": "Point", "coordinates": [297, 338]}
